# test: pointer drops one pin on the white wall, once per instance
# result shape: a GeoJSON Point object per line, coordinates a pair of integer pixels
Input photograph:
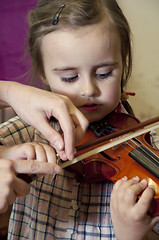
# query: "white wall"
{"type": "Point", "coordinates": [143, 17]}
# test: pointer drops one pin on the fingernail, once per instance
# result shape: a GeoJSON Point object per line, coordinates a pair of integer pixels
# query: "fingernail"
{"type": "Point", "coordinates": [71, 157]}
{"type": "Point", "coordinates": [59, 146]}
{"type": "Point", "coordinates": [144, 181]}
{"type": "Point", "coordinates": [125, 178]}
{"type": "Point", "coordinates": [151, 186]}
{"type": "Point", "coordinates": [136, 178]}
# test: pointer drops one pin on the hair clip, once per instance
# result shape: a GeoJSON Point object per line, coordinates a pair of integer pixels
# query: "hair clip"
{"type": "Point", "coordinates": [125, 95]}
{"type": "Point", "coordinates": [56, 16]}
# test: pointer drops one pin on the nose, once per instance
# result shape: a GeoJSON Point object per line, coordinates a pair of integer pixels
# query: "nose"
{"type": "Point", "coordinates": [89, 88]}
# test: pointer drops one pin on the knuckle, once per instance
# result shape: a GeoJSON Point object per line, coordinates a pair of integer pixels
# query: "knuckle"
{"type": "Point", "coordinates": [136, 216]}
{"type": "Point", "coordinates": [63, 102]}
{"type": "Point", "coordinates": [9, 179]}
{"type": "Point", "coordinates": [34, 167]}
{"type": "Point", "coordinates": [29, 150]}
{"type": "Point", "coordinates": [48, 148]}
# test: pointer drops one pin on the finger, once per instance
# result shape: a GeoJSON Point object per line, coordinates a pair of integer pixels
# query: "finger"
{"type": "Point", "coordinates": [40, 153]}
{"type": "Point", "coordinates": [81, 124]}
{"type": "Point", "coordinates": [6, 189]}
{"type": "Point", "coordinates": [139, 187]}
{"type": "Point", "coordinates": [119, 183]}
{"type": "Point", "coordinates": [145, 200]}
{"type": "Point", "coordinates": [62, 155]}
{"type": "Point", "coordinates": [27, 151]}
{"type": "Point", "coordinates": [125, 183]}
{"type": "Point", "coordinates": [134, 189]}
{"type": "Point", "coordinates": [11, 186]}
{"type": "Point", "coordinates": [49, 153]}
{"type": "Point", "coordinates": [71, 121]}
{"type": "Point", "coordinates": [35, 167]}
{"type": "Point", "coordinates": [55, 139]}
{"type": "Point", "coordinates": [68, 127]}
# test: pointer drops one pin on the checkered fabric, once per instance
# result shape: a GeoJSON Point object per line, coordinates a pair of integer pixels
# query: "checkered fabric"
{"type": "Point", "coordinates": [57, 207]}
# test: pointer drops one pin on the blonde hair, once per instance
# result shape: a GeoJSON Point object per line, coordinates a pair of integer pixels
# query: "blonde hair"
{"type": "Point", "coordinates": [77, 13]}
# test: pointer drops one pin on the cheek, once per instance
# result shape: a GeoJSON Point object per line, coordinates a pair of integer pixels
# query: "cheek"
{"type": "Point", "coordinates": [112, 92]}
{"type": "Point", "coordinates": [57, 88]}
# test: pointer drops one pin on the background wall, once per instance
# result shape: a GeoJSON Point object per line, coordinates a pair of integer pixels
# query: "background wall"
{"type": "Point", "coordinates": [13, 35]}
{"type": "Point", "coordinates": [143, 16]}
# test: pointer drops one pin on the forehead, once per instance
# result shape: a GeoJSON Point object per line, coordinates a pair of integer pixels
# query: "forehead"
{"type": "Point", "coordinates": [89, 41]}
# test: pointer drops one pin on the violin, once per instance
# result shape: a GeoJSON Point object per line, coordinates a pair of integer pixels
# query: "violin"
{"type": "Point", "coordinates": [114, 148]}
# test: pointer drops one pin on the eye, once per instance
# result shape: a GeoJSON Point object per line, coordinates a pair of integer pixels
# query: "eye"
{"type": "Point", "coordinates": [104, 75]}
{"type": "Point", "coordinates": [69, 79]}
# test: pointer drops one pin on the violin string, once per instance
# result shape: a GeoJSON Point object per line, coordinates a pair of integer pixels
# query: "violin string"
{"type": "Point", "coordinates": [144, 150]}
{"type": "Point", "coordinates": [135, 143]}
{"type": "Point", "coordinates": [124, 146]}
{"type": "Point", "coordinates": [127, 142]}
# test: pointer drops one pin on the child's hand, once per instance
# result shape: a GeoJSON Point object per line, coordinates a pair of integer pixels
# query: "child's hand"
{"type": "Point", "coordinates": [30, 151]}
{"type": "Point", "coordinates": [129, 216]}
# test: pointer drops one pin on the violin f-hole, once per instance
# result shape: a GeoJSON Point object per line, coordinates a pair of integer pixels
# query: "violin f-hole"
{"type": "Point", "coordinates": [110, 158]}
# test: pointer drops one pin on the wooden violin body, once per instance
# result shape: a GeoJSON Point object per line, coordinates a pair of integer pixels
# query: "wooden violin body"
{"type": "Point", "coordinates": [135, 157]}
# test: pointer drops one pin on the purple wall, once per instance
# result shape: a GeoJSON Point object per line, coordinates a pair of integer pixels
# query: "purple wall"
{"type": "Point", "coordinates": [13, 34]}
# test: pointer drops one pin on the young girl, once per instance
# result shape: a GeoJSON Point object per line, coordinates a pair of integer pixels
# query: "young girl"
{"type": "Point", "coordinates": [81, 50]}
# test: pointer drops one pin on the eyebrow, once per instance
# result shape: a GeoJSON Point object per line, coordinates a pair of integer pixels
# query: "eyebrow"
{"type": "Point", "coordinates": [96, 66]}
{"type": "Point", "coordinates": [107, 64]}
{"type": "Point", "coordinates": [63, 69]}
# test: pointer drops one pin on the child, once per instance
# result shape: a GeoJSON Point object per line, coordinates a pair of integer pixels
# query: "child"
{"type": "Point", "coordinates": [81, 50]}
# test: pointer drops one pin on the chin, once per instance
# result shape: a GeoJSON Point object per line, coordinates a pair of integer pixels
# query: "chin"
{"type": "Point", "coordinates": [94, 117]}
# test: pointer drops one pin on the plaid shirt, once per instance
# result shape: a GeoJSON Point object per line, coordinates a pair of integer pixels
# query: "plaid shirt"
{"type": "Point", "coordinates": [57, 207]}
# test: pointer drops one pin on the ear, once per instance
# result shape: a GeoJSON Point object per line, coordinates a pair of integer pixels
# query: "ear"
{"type": "Point", "coordinates": [46, 87]}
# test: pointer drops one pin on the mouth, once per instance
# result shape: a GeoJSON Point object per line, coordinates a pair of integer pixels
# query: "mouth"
{"type": "Point", "coordinates": [90, 107]}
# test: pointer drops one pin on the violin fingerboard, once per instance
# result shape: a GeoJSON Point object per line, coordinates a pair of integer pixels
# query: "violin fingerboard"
{"type": "Point", "coordinates": [146, 159]}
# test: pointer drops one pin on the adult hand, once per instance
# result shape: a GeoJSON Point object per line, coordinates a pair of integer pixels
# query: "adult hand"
{"type": "Point", "coordinates": [12, 186]}
{"type": "Point", "coordinates": [36, 107]}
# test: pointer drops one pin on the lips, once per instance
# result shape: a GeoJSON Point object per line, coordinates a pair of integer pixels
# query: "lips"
{"type": "Point", "coordinates": [90, 107]}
